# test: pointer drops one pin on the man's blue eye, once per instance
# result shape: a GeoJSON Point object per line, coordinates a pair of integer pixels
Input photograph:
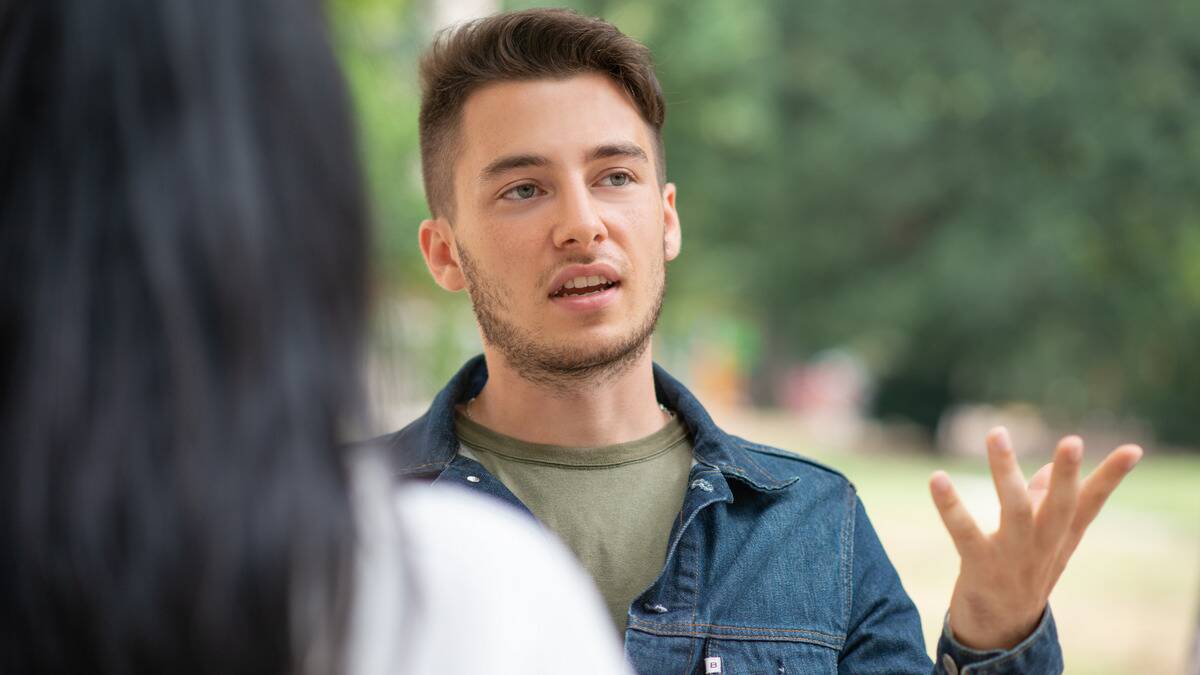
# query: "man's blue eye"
{"type": "Point", "coordinates": [521, 192]}
{"type": "Point", "coordinates": [618, 179]}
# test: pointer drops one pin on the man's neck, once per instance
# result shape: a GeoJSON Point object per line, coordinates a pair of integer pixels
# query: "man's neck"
{"type": "Point", "coordinates": [617, 408]}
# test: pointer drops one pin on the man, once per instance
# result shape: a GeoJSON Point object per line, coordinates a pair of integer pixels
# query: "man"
{"type": "Point", "coordinates": [544, 170]}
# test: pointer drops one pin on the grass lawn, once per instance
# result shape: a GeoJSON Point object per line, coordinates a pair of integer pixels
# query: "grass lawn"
{"type": "Point", "coordinates": [1127, 603]}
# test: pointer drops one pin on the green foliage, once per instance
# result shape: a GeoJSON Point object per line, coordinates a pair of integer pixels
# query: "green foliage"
{"type": "Point", "coordinates": [379, 43]}
{"type": "Point", "coordinates": [988, 201]}
{"type": "Point", "coordinates": [997, 193]}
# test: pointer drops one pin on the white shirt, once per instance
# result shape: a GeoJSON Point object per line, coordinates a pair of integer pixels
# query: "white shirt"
{"type": "Point", "coordinates": [449, 582]}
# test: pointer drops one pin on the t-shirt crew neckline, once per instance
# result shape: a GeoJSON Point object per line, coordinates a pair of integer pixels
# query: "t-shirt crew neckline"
{"type": "Point", "coordinates": [482, 439]}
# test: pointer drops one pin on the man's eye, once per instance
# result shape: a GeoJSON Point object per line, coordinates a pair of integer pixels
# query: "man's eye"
{"type": "Point", "coordinates": [619, 179]}
{"type": "Point", "coordinates": [522, 192]}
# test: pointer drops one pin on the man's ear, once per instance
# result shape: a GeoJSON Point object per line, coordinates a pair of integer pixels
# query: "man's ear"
{"type": "Point", "coordinates": [441, 256]}
{"type": "Point", "coordinates": [672, 236]}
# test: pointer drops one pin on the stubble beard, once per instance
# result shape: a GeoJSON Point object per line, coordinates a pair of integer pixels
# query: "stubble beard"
{"type": "Point", "coordinates": [554, 365]}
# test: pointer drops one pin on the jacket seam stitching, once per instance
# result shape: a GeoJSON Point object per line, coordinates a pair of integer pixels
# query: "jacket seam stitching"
{"type": "Point", "coordinates": [848, 556]}
{"type": "Point", "coordinates": [695, 607]}
{"type": "Point", "coordinates": [766, 473]}
{"type": "Point", "coordinates": [789, 455]}
{"type": "Point", "coordinates": [753, 636]}
{"type": "Point", "coordinates": [415, 467]}
{"type": "Point", "coordinates": [760, 629]}
{"type": "Point", "coordinates": [767, 485]}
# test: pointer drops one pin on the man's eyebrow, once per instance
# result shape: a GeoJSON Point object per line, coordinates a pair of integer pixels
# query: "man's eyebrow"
{"type": "Point", "coordinates": [520, 161]}
{"type": "Point", "coordinates": [617, 150]}
{"type": "Point", "coordinates": [510, 162]}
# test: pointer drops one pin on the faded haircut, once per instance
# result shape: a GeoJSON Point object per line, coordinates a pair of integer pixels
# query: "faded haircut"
{"type": "Point", "coordinates": [526, 45]}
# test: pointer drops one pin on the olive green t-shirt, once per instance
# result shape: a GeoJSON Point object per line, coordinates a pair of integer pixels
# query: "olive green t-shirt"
{"type": "Point", "coordinates": [613, 506]}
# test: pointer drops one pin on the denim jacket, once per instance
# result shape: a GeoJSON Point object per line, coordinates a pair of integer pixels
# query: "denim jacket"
{"type": "Point", "coordinates": [772, 565]}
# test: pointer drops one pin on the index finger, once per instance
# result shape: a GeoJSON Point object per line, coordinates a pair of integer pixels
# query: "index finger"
{"type": "Point", "coordinates": [958, 521]}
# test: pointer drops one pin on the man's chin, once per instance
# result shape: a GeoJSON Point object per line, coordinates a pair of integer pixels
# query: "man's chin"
{"type": "Point", "coordinates": [568, 356]}
{"type": "Point", "coordinates": [565, 362]}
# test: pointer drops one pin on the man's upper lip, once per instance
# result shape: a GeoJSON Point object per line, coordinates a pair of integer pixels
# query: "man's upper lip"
{"type": "Point", "coordinates": [593, 270]}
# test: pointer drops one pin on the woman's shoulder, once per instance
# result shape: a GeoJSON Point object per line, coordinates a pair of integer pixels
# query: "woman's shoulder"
{"type": "Point", "coordinates": [505, 585]}
{"type": "Point", "coordinates": [482, 587]}
{"type": "Point", "coordinates": [455, 531]}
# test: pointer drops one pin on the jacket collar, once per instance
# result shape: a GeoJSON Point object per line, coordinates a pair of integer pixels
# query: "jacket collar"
{"type": "Point", "coordinates": [428, 445]}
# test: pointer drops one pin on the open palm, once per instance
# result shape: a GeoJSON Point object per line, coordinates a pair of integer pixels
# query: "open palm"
{"type": "Point", "coordinates": [1005, 577]}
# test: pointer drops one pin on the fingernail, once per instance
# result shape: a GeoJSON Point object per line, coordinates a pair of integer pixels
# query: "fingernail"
{"type": "Point", "coordinates": [1001, 439]}
{"type": "Point", "coordinates": [1074, 448]}
{"type": "Point", "coordinates": [940, 481]}
{"type": "Point", "coordinates": [1137, 457]}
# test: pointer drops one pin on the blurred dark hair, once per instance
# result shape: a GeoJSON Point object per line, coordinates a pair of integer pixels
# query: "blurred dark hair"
{"type": "Point", "coordinates": [523, 45]}
{"type": "Point", "coordinates": [182, 246]}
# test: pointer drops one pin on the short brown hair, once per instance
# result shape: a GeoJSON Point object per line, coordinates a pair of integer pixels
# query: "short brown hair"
{"type": "Point", "coordinates": [524, 45]}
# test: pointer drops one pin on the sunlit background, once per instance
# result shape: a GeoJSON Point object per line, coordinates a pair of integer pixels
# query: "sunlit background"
{"type": "Point", "coordinates": [903, 222]}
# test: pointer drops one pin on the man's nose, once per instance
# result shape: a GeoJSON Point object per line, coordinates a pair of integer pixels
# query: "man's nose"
{"type": "Point", "coordinates": [579, 222]}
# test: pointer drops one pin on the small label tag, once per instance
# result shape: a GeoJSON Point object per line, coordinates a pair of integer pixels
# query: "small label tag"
{"type": "Point", "coordinates": [712, 665]}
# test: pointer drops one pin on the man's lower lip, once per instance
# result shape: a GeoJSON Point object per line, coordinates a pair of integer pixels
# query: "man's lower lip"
{"type": "Point", "coordinates": [588, 300]}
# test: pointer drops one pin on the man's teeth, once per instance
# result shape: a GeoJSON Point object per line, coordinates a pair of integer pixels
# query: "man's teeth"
{"type": "Point", "coordinates": [584, 282]}
{"type": "Point", "coordinates": [597, 284]}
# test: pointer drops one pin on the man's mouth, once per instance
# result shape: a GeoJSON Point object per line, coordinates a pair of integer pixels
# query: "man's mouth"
{"type": "Point", "coordinates": [584, 286]}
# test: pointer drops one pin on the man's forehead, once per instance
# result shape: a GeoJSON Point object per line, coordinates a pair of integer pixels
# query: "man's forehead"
{"type": "Point", "coordinates": [555, 118]}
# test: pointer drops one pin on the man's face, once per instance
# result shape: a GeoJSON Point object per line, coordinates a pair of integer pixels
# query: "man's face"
{"type": "Point", "coordinates": [561, 230]}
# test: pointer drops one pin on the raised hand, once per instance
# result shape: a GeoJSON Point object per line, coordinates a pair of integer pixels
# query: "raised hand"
{"type": "Point", "coordinates": [1005, 577]}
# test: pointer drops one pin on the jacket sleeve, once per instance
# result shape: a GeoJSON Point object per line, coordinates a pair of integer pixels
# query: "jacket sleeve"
{"type": "Point", "coordinates": [884, 629]}
{"type": "Point", "coordinates": [1038, 653]}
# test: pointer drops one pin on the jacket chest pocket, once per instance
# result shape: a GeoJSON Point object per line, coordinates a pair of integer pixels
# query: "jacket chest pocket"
{"type": "Point", "coordinates": [765, 657]}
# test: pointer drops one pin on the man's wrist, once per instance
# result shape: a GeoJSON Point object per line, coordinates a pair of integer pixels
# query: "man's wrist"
{"type": "Point", "coordinates": [987, 634]}
{"type": "Point", "coordinates": [1039, 652]}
